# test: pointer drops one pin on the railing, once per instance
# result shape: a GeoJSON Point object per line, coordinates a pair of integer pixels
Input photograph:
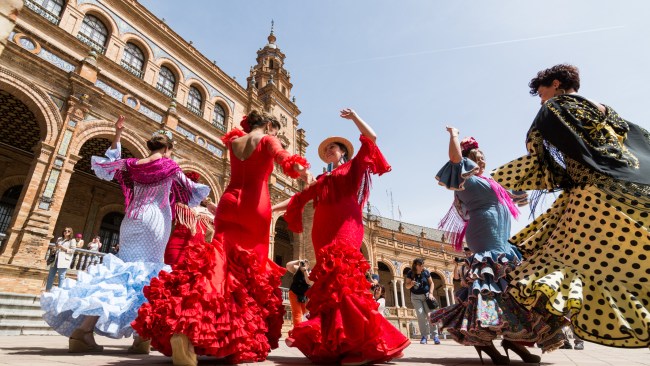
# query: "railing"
{"type": "Point", "coordinates": [94, 45]}
{"type": "Point", "coordinates": [131, 69]}
{"type": "Point", "coordinates": [285, 295]}
{"type": "Point", "coordinates": [38, 9]}
{"type": "Point", "coordinates": [219, 126]}
{"type": "Point", "coordinates": [399, 312]}
{"type": "Point", "coordinates": [164, 90]}
{"type": "Point", "coordinates": [195, 110]}
{"type": "Point", "coordinates": [81, 258]}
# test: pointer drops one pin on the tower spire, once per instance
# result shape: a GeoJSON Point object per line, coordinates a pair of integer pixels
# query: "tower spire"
{"type": "Point", "coordinates": [271, 37]}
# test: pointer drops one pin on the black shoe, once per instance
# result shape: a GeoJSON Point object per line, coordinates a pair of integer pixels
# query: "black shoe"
{"type": "Point", "coordinates": [566, 345]}
{"type": "Point", "coordinates": [579, 346]}
{"type": "Point", "coordinates": [495, 356]}
{"type": "Point", "coordinates": [520, 350]}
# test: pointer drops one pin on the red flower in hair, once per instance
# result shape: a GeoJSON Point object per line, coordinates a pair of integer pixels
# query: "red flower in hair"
{"type": "Point", "coordinates": [193, 176]}
{"type": "Point", "coordinates": [468, 144]}
{"type": "Point", "coordinates": [244, 124]}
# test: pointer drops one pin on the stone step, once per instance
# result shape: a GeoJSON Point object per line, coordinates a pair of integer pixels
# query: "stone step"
{"type": "Point", "coordinates": [20, 330]}
{"type": "Point", "coordinates": [22, 312]}
{"type": "Point", "coordinates": [23, 322]}
{"type": "Point", "coordinates": [19, 299]}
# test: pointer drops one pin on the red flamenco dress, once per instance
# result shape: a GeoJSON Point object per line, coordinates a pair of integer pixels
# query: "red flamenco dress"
{"type": "Point", "coordinates": [224, 295]}
{"type": "Point", "coordinates": [344, 324]}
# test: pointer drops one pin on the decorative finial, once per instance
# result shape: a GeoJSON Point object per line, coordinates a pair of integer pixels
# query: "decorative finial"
{"type": "Point", "coordinates": [271, 36]}
{"type": "Point", "coordinates": [293, 100]}
{"type": "Point", "coordinates": [271, 80]}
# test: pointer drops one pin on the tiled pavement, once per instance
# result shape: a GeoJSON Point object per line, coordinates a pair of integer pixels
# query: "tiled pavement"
{"type": "Point", "coordinates": [52, 350]}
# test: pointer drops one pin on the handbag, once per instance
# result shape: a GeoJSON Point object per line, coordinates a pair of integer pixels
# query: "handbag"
{"type": "Point", "coordinates": [51, 258]}
{"type": "Point", "coordinates": [432, 303]}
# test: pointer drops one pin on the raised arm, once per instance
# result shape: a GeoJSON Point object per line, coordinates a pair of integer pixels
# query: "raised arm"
{"type": "Point", "coordinates": [363, 127]}
{"type": "Point", "coordinates": [294, 166]}
{"type": "Point", "coordinates": [119, 127]}
{"type": "Point", "coordinates": [282, 206]}
{"type": "Point", "coordinates": [455, 155]}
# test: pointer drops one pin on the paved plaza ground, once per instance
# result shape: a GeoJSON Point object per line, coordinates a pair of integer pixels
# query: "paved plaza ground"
{"type": "Point", "coordinates": [52, 350]}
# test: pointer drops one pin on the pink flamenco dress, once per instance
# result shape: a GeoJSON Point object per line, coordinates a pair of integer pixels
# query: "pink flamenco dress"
{"type": "Point", "coordinates": [224, 294]}
{"type": "Point", "coordinates": [344, 324]}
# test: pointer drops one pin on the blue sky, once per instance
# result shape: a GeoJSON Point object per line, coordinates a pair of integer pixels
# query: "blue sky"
{"type": "Point", "coordinates": [411, 67]}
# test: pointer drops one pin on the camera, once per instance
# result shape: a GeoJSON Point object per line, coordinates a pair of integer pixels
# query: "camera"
{"type": "Point", "coordinates": [302, 263]}
{"type": "Point", "coordinates": [459, 260]}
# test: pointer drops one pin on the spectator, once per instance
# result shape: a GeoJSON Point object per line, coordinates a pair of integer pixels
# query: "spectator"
{"type": "Point", "coordinates": [65, 246]}
{"type": "Point", "coordinates": [80, 241]}
{"type": "Point", "coordinates": [419, 281]}
{"type": "Point", "coordinates": [115, 249]}
{"type": "Point", "coordinates": [298, 290]}
{"type": "Point", "coordinates": [379, 293]}
{"type": "Point", "coordinates": [95, 245]}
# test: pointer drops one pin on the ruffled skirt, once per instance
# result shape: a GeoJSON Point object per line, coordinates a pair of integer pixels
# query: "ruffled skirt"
{"type": "Point", "coordinates": [111, 290]}
{"type": "Point", "coordinates": [344, 323]}
{"type": "Point", "coordinates": [588, 256]}
{"type": "Point", "coordinates": [227, 308]}
{"type": "Point", "coordinates": [484, 310]}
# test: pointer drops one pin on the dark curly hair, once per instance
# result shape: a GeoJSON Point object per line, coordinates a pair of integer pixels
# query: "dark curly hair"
{"type": "Point", "coordinates": [159, 141]}
{"type": "Point", "coordinates": [567, 75]}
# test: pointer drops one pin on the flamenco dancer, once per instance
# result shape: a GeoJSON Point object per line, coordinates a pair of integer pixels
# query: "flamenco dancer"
{"type": "Point", "coordinates": [586, 257]}
{"type": "Point", "coordinates": [344, 324]}
{"type": "Point", "coordinates": [223, 298]}
{"type": "Point", "coordinates": [106, 298]}
{"type": "Point", "coordinates": [481, 215]}
{"type": "Point", "coordinates": [190, 223]}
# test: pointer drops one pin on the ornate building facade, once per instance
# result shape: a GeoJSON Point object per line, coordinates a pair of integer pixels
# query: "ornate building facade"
{"type": "Point", "coordinates": [68, 70]}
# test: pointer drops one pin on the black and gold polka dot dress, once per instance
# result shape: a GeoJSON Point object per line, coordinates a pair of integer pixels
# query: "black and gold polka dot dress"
{"type": "Point", "coordinates": [586, 257]}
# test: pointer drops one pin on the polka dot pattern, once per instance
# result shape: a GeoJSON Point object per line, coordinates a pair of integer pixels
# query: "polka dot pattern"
{"type": "Point", "coordinates": [587, 255]}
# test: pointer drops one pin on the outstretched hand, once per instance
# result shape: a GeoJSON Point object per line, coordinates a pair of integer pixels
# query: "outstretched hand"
{"type": "Point", "coordinates": [348, 113]}
{"type": "Point", "coordinates": [119, 124]}
{"type": "Point", "coordinates": [453, 131]}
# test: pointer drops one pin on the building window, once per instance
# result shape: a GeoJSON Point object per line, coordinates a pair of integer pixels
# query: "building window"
{"type": "Point", "coordinates": [219, 117]}
{"type": "Point", "coordinates": [166, 81]}
{"type": "Point", "coordinates": [8, 203]}
{"type": "Point", "coordinates": [93, 33]}
{"type": "Point", "coordinates": [194, 101]}
{"type": "Point", "coordinates": [109, 231]}
{"type": "Point", "coordinates": [133, 59]}
{"type": "Point", "coordinates": [48, 9]}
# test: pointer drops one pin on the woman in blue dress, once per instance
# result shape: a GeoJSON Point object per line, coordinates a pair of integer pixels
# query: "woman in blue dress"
{"type": "Point", "coordinates": [481, 215]}
{"type": "Point", "coordinates": [106, 298]}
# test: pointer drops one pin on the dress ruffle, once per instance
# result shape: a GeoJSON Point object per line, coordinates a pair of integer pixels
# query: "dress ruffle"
{"type": "Point", "coordinates": [288, 163]}
{"type": "Point", "coordinates": [343, 319]}
{"type": "Point", "coordinates": [452, 175]}
{"type": "Point", "coordinates": [232, 134]}
{"type": "Point", "coordinates": [224, 314]}
{"type": "Point", "coordinates": [111, 290]}
{"type": "Point", "coordinates": [484, 309]}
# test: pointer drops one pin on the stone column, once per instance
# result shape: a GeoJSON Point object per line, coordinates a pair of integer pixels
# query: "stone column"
{"type": "Point", "coordinates": [9, 10]}
{"type": "Point", "coordinates": [394, 283]}
{"type": "Point", "coordinates": [401, 286]}
{"type": "Point", "coordinates": [450, 295]}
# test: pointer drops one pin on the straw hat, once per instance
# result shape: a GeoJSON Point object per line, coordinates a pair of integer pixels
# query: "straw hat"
{"type": "Point", "coordinates": [343, 141]}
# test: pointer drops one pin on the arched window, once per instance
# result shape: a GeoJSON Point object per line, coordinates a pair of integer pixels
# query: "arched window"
{"type": "Point", "coordinates": [219, 117]}
{"type": "Point", "coordinates": [166, 81]}
{"type": "Point", "coordinates": [109, 230]}
{"type": "Point", "coordinates": [194, 101]}
{"type": "Point", "coordinates": [8, 203]}
{"type": "Point", "coordinates": [93, 33]}
{"type": "Point", "coordinates": [48, 9]}
{"type": "Point", "coordinates": [133, 59]}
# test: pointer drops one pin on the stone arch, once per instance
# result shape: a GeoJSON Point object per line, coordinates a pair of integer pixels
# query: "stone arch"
{"type": "Point", "coordinates": [215, 187]}
{"type": "Point", "coordinates": [389, 264]}
{"type": "Point", "coordinates": [106, 129]}
{"type": "Point", "coordinates": [45, 111]}
{"type": "Point", "coordinates": [12, 181]}
{"type": "Point", "coordinates": [198, 84]}
{"type": "Point", "coordinates": [285, 248]}
{"type": "Point", "coordinates": [103, 211]}
{"type": "Point", "coordinates": [366, 250]}
{"type": "Point", "coordinates": [171, 64]}
{"type": "Point", "coordinates": [386, 272]}
{"type": "Point", "coordinates": [140, 42]}
{"type": "Point", "coordinates": [101, 14]}
{"type": "Point", "coordinates": [224, 104]}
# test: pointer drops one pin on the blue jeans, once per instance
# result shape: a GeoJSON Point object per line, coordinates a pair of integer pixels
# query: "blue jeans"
{"type": "Point", "coordinates": [53, 272]}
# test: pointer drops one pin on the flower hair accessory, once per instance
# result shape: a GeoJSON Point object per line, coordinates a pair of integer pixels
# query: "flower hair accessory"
{"type": "Point", "coordinates": [163, 132]}
{"type": "Point", "coordinates": [193, 176]}
{"type": "Point", "coordinates": [245, 125]}
{"type": "Point", "coordinates": [468, 143]}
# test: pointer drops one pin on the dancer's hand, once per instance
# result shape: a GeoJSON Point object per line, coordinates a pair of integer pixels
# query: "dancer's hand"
{"type": "Point", "coordinates": [349, 114]}
{"type": "Point", "coordinates": [453, 131]}
{"type": "Point", "coordinates": [119, 124]}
